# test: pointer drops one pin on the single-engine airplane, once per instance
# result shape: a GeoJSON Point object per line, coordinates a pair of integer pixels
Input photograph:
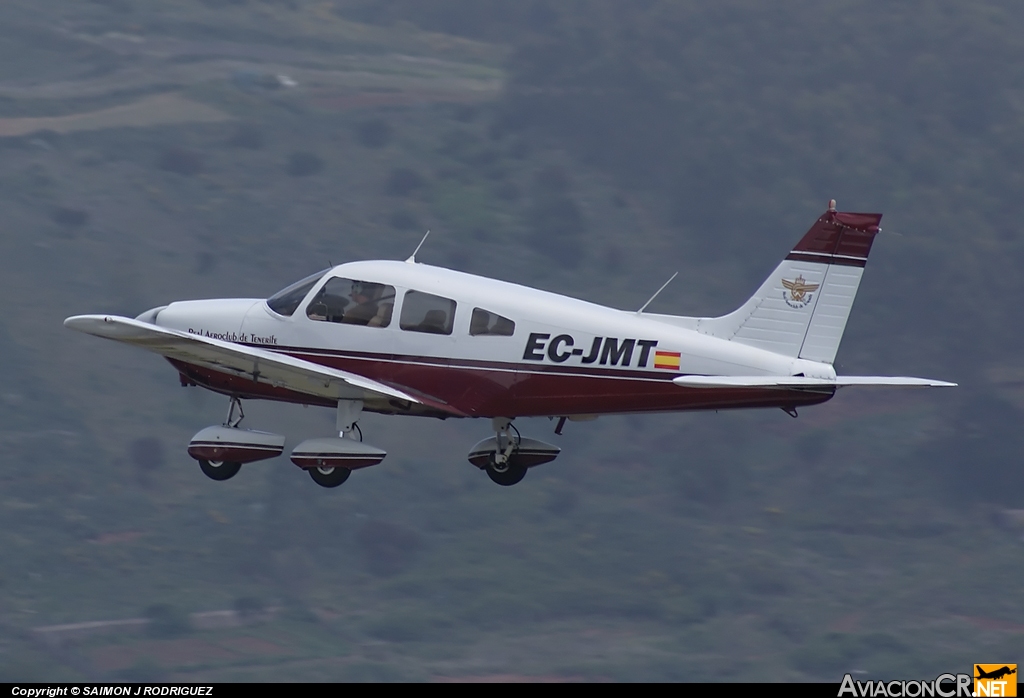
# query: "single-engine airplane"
{"type": "Point", "coordinates": [406, 338]}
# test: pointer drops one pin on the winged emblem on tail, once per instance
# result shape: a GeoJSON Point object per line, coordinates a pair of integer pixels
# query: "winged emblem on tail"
{"type": "Point", "coordinates": [799, 291]}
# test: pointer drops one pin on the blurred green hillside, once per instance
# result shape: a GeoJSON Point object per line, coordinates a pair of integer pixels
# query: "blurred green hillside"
{"type": "Point", "coordinates": [208, 148]}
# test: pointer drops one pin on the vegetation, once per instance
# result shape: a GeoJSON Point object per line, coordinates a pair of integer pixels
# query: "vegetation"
{"type": "Point", "coordinates": [166, 621]}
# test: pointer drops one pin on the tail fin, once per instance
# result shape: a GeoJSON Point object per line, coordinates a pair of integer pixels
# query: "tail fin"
{"type": "Point", "coordinates": [802, 308]}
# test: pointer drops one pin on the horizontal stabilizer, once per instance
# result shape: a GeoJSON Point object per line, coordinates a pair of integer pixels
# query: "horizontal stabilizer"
{"type": "Point", "coordinates": [804, 382]}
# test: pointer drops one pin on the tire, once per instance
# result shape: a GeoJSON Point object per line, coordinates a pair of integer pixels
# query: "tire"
{"type": "Point", "coordinates": [219, 470]}
{"type": "Point", "coordinates": [507, 477]}
{"type": "Point", "coordinates": [329, 477]}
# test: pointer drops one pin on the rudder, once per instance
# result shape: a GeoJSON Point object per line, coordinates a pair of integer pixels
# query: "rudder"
{"type": "Point", "coordinates": [802, 308]}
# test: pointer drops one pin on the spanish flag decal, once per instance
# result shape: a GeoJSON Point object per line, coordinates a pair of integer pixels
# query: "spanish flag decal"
{"type": "Point", "coordinates": [666, 359]}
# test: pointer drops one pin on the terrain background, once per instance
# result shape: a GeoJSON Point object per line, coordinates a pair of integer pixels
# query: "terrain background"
{"type": "Point", "coordinates": [153, 151]}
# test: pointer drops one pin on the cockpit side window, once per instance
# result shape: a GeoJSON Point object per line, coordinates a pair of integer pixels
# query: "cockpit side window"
{"type": "Point", "coordinates": [353, 302]}
{"type": "Point", "coordinates": [285, 301]}
{"type": "Point", "coordinates": [425, 312]}
{"type": "Point", "coordinates": [486, 323]}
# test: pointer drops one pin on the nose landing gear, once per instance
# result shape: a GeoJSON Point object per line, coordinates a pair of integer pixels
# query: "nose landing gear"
{"type": "Point", "coordinates": [221, 450]}
{"type": "Point", "coordinates": [504, 474]}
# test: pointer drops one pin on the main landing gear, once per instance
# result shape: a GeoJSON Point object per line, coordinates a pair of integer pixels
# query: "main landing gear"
{"type": "Point", "coordinates": [507, 456]}
{"type": "Point", "coordinates": [330, 461]}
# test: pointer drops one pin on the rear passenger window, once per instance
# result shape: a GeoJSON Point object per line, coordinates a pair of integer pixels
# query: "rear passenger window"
{"type": "Point", "coordinates": [484, 322]}
{"type": "Point", "coordinates": [425, 312]}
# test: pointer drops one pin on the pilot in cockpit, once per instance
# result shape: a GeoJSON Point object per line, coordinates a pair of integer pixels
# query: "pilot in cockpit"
{"type": "Point", "coordinates": [368, 306]}
{"type": "Point", "coordinates": [353, 303]}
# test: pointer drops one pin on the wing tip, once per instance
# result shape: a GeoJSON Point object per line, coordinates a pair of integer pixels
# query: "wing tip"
{"type": "Point", "coordinates": [82, 322]}
{"type": "Point", "coordinates": [893, 381]}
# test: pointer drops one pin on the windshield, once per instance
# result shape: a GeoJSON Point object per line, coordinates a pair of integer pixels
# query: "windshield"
{"type": "Point", "coordinates": [285, 302]}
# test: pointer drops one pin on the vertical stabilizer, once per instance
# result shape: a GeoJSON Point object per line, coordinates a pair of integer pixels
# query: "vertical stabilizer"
{"type": "Point", "coordinates": [802, 308]}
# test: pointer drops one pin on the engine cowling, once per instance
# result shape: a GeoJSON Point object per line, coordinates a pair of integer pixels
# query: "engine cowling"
{"type": "Point", "coordinates": [236, 445]}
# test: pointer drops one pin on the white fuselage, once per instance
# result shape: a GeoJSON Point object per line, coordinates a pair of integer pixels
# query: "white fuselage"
{"type": "Point", "coordinates": [555, 337]}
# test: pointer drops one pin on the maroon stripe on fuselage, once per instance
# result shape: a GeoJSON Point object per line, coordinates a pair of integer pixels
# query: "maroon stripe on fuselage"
{"type": "Point", "coordinates": [317, 355]}
{"type": "Point", "coordinates": [492, 389]}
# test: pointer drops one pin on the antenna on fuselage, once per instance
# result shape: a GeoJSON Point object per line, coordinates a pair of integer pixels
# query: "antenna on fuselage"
{"type": "Point", "coordinates": [412, 257]}
{"type": "Point", "coordinates": [656, 293]}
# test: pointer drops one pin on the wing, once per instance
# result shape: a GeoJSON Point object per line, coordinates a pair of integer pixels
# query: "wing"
{"type": "Point", "coordinates": [803, 382]}
{"type": "Point", "coordinates": [789, 284]}
{"type": "Point", "coordinates": [262, 365]}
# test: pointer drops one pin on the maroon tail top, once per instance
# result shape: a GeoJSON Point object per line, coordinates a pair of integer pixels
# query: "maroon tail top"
{"type": "Point", "coordinates": [839, 238]}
